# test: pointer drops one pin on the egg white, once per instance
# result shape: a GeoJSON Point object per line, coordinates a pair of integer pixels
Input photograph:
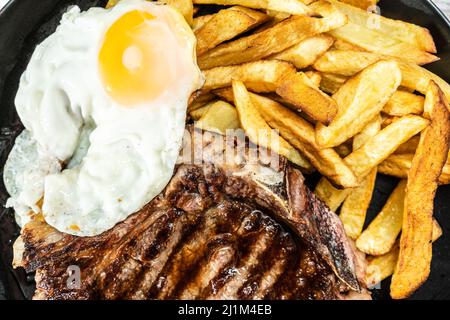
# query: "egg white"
{"type": "Point", "coordinates": [118, 158]}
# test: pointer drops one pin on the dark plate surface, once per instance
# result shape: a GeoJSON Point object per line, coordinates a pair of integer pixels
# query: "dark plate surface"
{"type": "Point", "coordinates": [25, 23]}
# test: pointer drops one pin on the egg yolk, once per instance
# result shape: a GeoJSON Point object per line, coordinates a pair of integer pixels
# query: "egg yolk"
{"type": "Point", "coordinates": [130, 63]}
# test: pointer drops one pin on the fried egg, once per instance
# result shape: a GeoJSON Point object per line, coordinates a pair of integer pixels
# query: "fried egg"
{"type": "Point", "coordinates": [105, 96]}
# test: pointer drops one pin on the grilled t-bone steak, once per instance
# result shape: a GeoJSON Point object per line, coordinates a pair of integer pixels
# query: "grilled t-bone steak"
{"type": "Point", "coordinates": [221, 230]}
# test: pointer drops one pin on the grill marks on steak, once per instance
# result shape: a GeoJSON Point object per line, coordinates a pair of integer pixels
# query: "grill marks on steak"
{"type": "Point", "coordinates": [243, 254]}
{"type": "Point", "coordinates": [217, 232]}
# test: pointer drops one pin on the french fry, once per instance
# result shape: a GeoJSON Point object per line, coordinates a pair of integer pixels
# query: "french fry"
{"type": "Point", "coordinates": [380, 236]}
{"type": "Point", "coordinates": [381, 146]}
{"type": "Point", "coordinates": [363, 4]}
{"type": "Point", "coordinates": [305, 53]}
{"type": "Point", "coordinates": [402, 103]}
{"type": "Point", "coordinates": [111, 3]}
{"type": "Point", "coordinates": [340, 44]}
{"type": "Point", "coordinates": [259, 131]}
{"type": "Point", "coordinates": [359, 100]}
{"type": "Point", "coordinates": [225, 25]}
{"type": "Point", "coordinates": [199, 99]}
{"type": "Point", "coordinates": [333, 197]}
{"type": "Point", "coordinates": [344, 149]}
{"type": "Point", "coordinates": [380, 43]}
{"type": "Point", "coordinates": [274, 18]}
{"type": "Point", "coordinates": [354, 208]}
{"type": "Point", "coordinates": [368, 132]}
{"type": "Point", "coordinates": [417, 78]}
{"type": "Point", "coordinates": [331, 83]}
{"type": "Point", "coordinates": [200, 21]}
{"type": "Point", "coordinates": [299, 133]}
{"type": "Point", "coordinates": [219, 117]}
{"type": "Point", "coordinates": [185, 7]}
{"type": "Point", "coordinates": [227, 95]}
{"type": "Point", "coordinates": [387, 120]}
{"type": "Point", "coordinates": [258, 76]}
{"type": "Point", "coordinates": [371, 154]}
{"type": "Point", "coordinates": [315, 77]}
{"type": "Point", "coordinates": [381, 267]}
{"type": "Point", "coordinates": [273, 40]}
{"type": "Point", "coordinates": [288, 6]}
{"type": "Point", "coordinates": [398, 165]}
{"type": "Point", "coordinates": [277, 16]}
{"type": "Point", "coordinates": [196, 114]}
{"type": "Point", "coordinates": [345, 62]}
{"type": "Point", "coordinates": [414, 260]}
{"type": "Point", "coordinates": [409, 146]}
{"type": "Point", "coordinates": [300, 91]}
{"type": "Point", "coordinates": [406, 32]}
{"type": "Point", "coordinates": [348, 63]}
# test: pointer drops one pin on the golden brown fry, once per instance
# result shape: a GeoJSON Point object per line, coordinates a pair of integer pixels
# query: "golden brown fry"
{"type": "Point", "coordinates": [354, 208]}
{"type": "Point", "coordinates": [219, 117]}
{"type": "Point", "coordinates": [273, 40]}
{"type": "Point", "coordinates": [340, 44]}
{"type": "Point", "coordinates": [379, 268]}
{"type": "Point", "coordinates": [345, 62]}
{"type": "Point", "coordinates": [344, 149]}
{"type": "Point", "coordinates": [380, 236]}
{"type": "Point", "coordinates": [437, 231]}
{"type": "Point", "coordinates": [185, 7]}
{"type": "Point", "coordinates": [402, 103]}
{"type": "Point", "coordinates": [225, 94]}
{"type": "Point", "coordinates": [305, 53]}
{"type": "Point", "coordinates": [369, 131]}
{"type": "Point", "coordinates": [398, 165]}
{"type": "Point", "coordinates": [277, 16]}
{"type": "Point", "coordinates": [342, 62]}
{"type": "Point", "coordinates": [409, 146]}
{"type": "Point", "coordinates": [199, 99]}
{"type": "Point", "coordinates": [382, 145]}
{"type": "Point", "coordinates": [413, 265]}
{"type": "Point", "coordinates": [406, 32]}
{"type": "Point", "coordinates": [200, 21]}
{"type": "Point", "coordinates": [359, 100]}
{"type": "Point", "coordinates": [417, 78]}
{"type": "Point", "coordinates": [331, 83]}
{"type": "Point", "coordinates": [259, 131]}
{"type": "Point", "coordinates": [196, 114]}
{"type": "Point", "coordinates": [387, 120]}
{"type": "Point", "coordinates": [288, 6]}
{"type": "Point", "coordinates": [300, 134]}
{"type": "Point", "coordinates": [274, 18]}
{"type": "Point", "coordinates": [330, 195]}
{"type": "Point", "coordinates": [300, 91]}
{"type": "Point", "coordinates": [258, 76]}
{"type": "Point", "coordinates": [363, 4]}
{"type": "Point", "coordinates": [225, 25]}
{"type": "Point", "coordinates": [111, 3]}
{"type": "Point", "coordinates": [315, 77]}
{"type": "Point", "coordinates": [371, 154]}
{"type": "Point", "coordinates": [374, 41]}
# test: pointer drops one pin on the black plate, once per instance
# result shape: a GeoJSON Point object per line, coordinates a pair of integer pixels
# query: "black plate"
{"type": "Point", "coordinates": [25, 23]}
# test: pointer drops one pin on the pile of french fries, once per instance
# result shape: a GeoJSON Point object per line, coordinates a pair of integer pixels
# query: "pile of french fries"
{"type": "Point", "coordinates": [346, 92]}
